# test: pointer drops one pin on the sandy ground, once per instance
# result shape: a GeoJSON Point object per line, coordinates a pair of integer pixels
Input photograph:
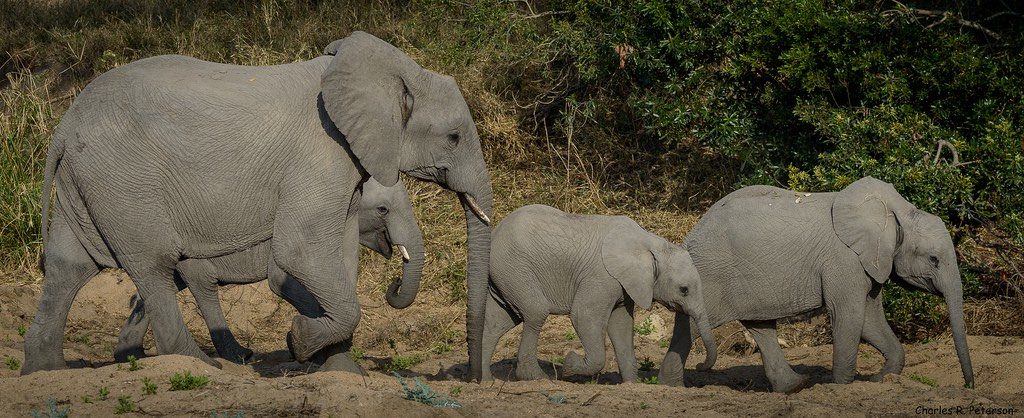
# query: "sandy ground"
{"type": "Point", "coordinates": [432, 331]}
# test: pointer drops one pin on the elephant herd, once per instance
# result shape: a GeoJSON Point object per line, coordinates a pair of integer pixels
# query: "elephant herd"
{"type": "Point", "coordinates": [187, 173]}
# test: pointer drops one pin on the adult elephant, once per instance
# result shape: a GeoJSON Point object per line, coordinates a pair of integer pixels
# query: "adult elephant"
{"type": "Point", "coordinates": [171, 158]}
{"type": "Point", "coordinates": [386, 220]}
{"type": "Point", "coordinates": [765, 253]}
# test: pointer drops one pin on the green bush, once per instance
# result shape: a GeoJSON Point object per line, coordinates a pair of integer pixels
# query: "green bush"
{"type": "Point", "coordinates": [188, 381]}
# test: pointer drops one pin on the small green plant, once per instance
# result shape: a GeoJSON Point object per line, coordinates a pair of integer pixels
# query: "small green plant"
{"type": "Point", "coordinates": [646, 364]}
{"type": "Point", "coordinates": [643, 405]}
{"type": "Point", "coordinates": [86, 399]}
{"type": "Point", "coordinates": [924, 379]}
{"type": "Point", "coordinates": [570, 335]}
{"type": "Point", "coordinates": [104, 393]}
{"type": "Point", "coordinates": [455, 391]}
{"type": "Point", "coordinates": [133, 364]}
{"type": "Point", "coordinates": [663, 343]}
{"type": "Point", "coordinates": [148, 387]}
{"type": "Point", "coordinates": [558, 360]}
{"type": "Point", "coordinates": [402, 363]}
{"type": "Point", "coordinates": [188, 381]}
{"type": "Point", "coordinates": [422, 393]}
{"type": "Point", "coordinates": [650, 380]}
{"type": "Point", "coordinates": [441, 347]}
{"type": "Point", "coordinates": [645, 328]}
{"type": "Point", "coordinates": [125, 404]}
{"type": "Point", "coordinates": [81, 339]}
{"type": "Point", "coordinates": [22, 330]}
{"type": "Point", "coordinates": [357, 354]}
{"type": "Point", "coordinates": [13, 363]}
{"type": "Point", "coordinates": [52, 411]}
{"type": "Point", "coordinates": [555, 398]}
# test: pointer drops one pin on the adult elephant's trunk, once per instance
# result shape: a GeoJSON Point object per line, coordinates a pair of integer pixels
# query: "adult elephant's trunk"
{"type": "Point", "coordinates": [704, 327]}
{"type": "Point", "coordinates": [952, 290]}
{"type": "Point", "coordinates": [402, 293]}
{"type": "Point", "coordinates": [476, 202]}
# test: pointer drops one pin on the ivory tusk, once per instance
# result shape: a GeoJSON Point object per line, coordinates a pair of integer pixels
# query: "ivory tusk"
{"type": "Point", "coordinates": [405, 253]}
{"type": "Point", "coordinates": [476, 209]}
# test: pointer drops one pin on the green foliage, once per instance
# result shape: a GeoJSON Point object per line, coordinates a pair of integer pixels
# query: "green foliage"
{"type": "Point", "coordinates": [12, 363]}
{"type": "Point", "coordinates": [422, 393]}
{"type": "Point", "coordinates": [188, 381]}
{"type": "Point", "coordinates": [649, 380]}
{"type": "Point", "coordinates": [646, 364]}
{"type": "Point", "coordinates": [125, 404]}
{"type": "Point", "coordinates": [555, 398]}
{"type": "Point", "coordinates": [104, 393]}
{"type": "Point", "coordinates": [133, 364]}
{"type": "Point", "coordinates": [357, 354]}
{"type": "Point", "coordinates": [22, 330]}
{"type": "Point", "coordinates": [148, 387]}
{"type": "Point", "coordinates": [52, 411]}
{"type": "Point", "coordinates": [569, 335]}
{"type": "Point", "coordinates": [399, 362]}
{"type": "Point", "coordinates": [455, 391]}
{"type": "Point", "coordinates": [645, 328]}
{"type": "Point", "coordinates": [924, 379]}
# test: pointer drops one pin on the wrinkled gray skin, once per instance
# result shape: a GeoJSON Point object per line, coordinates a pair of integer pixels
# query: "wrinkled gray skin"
{"type": "Point", "coordinates": [171, 158]}
{"type": "Point", "coordinates": [594, 269]}
{"type": "Point", "coordinates": [386, 219]}
{"type": "Point", "coordinates": [766, 253]}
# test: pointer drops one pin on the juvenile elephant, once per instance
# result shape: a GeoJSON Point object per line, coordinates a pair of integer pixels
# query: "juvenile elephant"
{"type": "Point", "coordinates": [171, 158]}
{"type": "Point", "coordinates": [593, 268]}
{"type": "Point", "coordinates": [386, 219]}
{"type": "Point", "coordinates": [765, 253]}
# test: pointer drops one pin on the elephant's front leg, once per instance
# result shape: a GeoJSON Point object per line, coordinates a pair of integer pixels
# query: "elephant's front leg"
{"type": "Point", "coordinates": [309, 244]}
{"type": "Point", "coordinates": [336, 357]}
{"type": "Point", "coordinates": [591, 323]}
{"type": "Point", "coordinates": [878, 333]}
{"type": "Point", "coordinates": [847, 318]}
{"type": "Point", "coordinates": [620, 331]}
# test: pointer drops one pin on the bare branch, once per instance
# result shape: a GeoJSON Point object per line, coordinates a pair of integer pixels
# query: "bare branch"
{"type": "Point", "coordinates": [949, 15]}
{"type": "Point", "coordinates": [938, 153]}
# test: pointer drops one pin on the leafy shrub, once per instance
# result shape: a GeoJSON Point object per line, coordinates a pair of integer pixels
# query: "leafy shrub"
{"type": "Point", "coordinates": [12, 363]}
{"type": "Point", "coordinates": [399, 362]}
{"type": "Point", "coordinates": [644, 328]}
{"type": "Point", "coordinates": [125, 404]}
{"type": "Point", "coordinates": [422, 393]}
{"type": "Point", "coordinates": [52, 411]}
{"type": "Point", "coordinates": [188, 381]}
{"type": "Point", "coordinates": [148, 387]}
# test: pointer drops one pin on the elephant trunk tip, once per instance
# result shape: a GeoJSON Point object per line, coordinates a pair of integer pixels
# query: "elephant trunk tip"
{"type": "Point", "coordinates": [395, 298]}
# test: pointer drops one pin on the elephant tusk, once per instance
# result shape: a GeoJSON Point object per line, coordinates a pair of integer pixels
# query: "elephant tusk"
{"type": "Point", "coordinates": [471, 202]}
{"type": "Point", "coordinates": [405, 253]}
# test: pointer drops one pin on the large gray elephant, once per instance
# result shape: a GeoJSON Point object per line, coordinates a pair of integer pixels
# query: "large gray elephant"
{"type": "Point", "coordinates": [593, 268]}
{"type": "Point", "coordinates": [171, 158]}
{"type": "Point", "coordinates": [765, 253]}
{"type": "Point", "coordinates": [386, 220]}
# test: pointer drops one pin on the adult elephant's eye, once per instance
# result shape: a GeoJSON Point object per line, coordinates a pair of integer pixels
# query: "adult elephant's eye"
{"type": "Point", "coordinates": [453, 138]}
{"type": "Point", "coordinates": [684, 290]}
{"type": "Point", "coordinates": [934, 260]}
{"type": "Point", "coordinates": [383, 210]}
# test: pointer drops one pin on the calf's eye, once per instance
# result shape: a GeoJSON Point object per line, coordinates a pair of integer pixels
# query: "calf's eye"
{"type": "Point", "coordinates": [684, 290]}
{"type": "Point", "coordinates": [382, 209]}
{"type": "Point", "coordinates": [934, 260]}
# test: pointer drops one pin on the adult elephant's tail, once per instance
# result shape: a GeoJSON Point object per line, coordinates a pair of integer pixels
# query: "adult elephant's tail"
{"type": "Point", "coordinates": [53, 157]}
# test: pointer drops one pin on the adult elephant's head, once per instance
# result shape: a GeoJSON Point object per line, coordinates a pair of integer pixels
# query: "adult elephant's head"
{"type": "Point", "coordinates": [890, 234]}
{"type": "Point", "coordinates": [397, 116]}
{"type": "Point", "coordinates": [386, 220]}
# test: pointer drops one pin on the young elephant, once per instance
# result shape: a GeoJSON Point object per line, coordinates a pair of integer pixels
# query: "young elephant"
{"type": "Point", "coordinates": [766, 253]}
{"type": "Point", "coordinates": [593, 268]}
{"type": "Point", "coordinates": [386, 219]}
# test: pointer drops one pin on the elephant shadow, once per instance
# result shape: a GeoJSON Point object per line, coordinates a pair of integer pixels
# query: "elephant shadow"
{"type": "Point", "coordinates": [749, 377]}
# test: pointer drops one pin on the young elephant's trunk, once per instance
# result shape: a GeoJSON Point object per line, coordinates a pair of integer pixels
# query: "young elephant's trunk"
{"type": "Point", "coordinates": [709, 342]}
{"type": "Point", "coordinates": [952, 291]}
{"type": "Point", "coordinates": [402, 293]}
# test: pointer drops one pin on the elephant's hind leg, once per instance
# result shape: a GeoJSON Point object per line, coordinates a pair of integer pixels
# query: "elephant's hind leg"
{"type": "Point", "coordinates": [591, 323]}
{"type": "Point", "coordinates": [620, 331]}
{"type": "Point", "coordinates": [154, 278]}
{"type": "Point", "coordinates": [200, 275]}
{"type": "Point", "coordinates": [133, 332]}
{"type": "Point", "coordinates": [780, 374]}
{"type": "Point", "coordinates": [878, 333]}
{"type": "Point", "coordinates": [68, 268]}
{"type": "Point", "coordinates": [497, 322]}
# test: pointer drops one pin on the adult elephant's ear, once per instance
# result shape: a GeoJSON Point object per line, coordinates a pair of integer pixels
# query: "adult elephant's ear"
{"type": "Point", "coordinates": [367, 92]}
{"type": "Point", "coordinates": [865, 217]}
{"type": "Point", "coordinates": [626, 253]}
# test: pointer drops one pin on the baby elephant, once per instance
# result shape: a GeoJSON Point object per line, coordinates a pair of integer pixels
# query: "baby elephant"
{"type": "Point", "coordinates": [593, 268]}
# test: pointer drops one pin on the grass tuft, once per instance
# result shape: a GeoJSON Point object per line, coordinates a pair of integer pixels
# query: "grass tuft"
{"type": "Point", "coordinates": [188, 381]}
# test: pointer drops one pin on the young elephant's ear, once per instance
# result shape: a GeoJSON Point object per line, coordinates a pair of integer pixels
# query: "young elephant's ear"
{"type": "Point", "coordinates": [626, 253]}
{"type": "Point", "coordinates": [865, 218]}
{"type": "Point", "coordinates": [366, 93]}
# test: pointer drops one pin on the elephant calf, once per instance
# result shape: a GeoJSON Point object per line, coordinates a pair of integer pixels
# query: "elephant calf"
{"type": "Point", "coordinates": [765, 253]}
{"type": "Point", "coordinates": [593, 268]}
{"type": "Point", "coordinates": [386, 219]}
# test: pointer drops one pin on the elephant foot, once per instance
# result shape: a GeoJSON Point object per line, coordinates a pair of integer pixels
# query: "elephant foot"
{"type": "Point", "coordinates": [302, 340]}
{"type": "Point", "coordinates": [530, 370]}
{"type": "Point", "coordinates": [791, 384]}
{"type": "Point", "coordinates": [121, 353]}
{"type": "Point", "coordinates": [577, 364]}
{"type": "Point", "coordinates": [671, 374]}
{"type": "Point", "coordinates": [344, 363]}
{"type": "Point", "coordinates": [32, 366]}
{"type": "Point", "coordinates": [237, 354]}
{"type": "Point", "coordinates": [877, 377]}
